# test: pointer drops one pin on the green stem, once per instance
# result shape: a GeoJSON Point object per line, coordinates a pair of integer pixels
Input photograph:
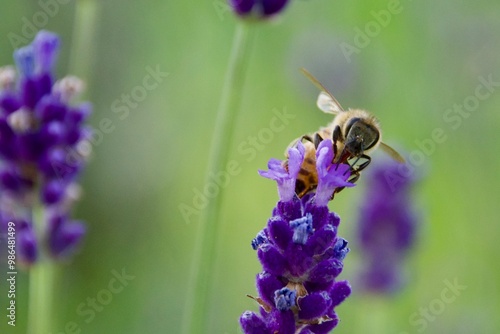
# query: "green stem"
{"type": "Point", "coordinates": [41, 280]}
{"type": "Point", "coordinates": [84, 32]}
{"type": "Point", "coordinates": [41, 287]}
{"type": "Point", "coordinates": [197, 300]}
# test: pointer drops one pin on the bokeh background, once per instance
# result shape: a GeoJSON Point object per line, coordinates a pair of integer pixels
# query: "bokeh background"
{"type": "Point", "coordinates": [428, 58]}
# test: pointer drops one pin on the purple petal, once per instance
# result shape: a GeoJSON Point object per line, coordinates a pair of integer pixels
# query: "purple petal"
{"type": "Point", "coordinates": [335, 177]}
{"type": "Point", "coordinates": [340, 249]}
{"type": "Point", "coordinates": [27, 245]}
{"type": "Point", "coordinates": [272, 7]}
{"type": "Point", "coordinates": [299, 261]}
{"type": "Point", "coordinates": [324, 157]}
{"type": "Point", "coordinates": [302, 229]}
{"type": "Point", "coordinates": [46, 48]}
{"type": "Point", "coordinates": [340, 291]}
{"type": "Point", "coordinates": [9, 102]}
{"type": "Point", "coordinates": [267, 284]}
{"type": "Point", "coordinates": [7, 140]}
{"type": "Point", "coordinates": [326, 271]}
{"type": "Point", "coordinates": [251, 323]}
{"type": "Point", "coordinates": [52, 133]}
{"type": "Point", "coordinates": [260, 239]}
{"type": "Point", "coordinates": [25, 60]}
{"type": "Point", "coordinates": [242, 7]}
{"type": "Point", "coordinates": [271, 259]}
{"type": "Point", "coordinates": [64, 236]}
{"type": "Point", "coordinates": [261, 8]}
{"type": "Point", "coordinates": [330, 176]}
{"type": "Point", "coordinates": [289, 210]}
{"type": "Point", "coordinates": [284, 299]}
{"type": "Point", "coordinates": [79, 114]}
{"type": "Point", "coordinates": [51, 108]}
{"type": "Point", "coordinates": [333, 219]}
{"type": "Point", "coordinates": [12, 180]}
{"type": "Point", "coordinates": [280, 232]}
{"type": "Point", "coordinates": [53, 192]}
{"type": "Point", "coordinates": [314, 305]}
{"type": "Point", "coordinates": [29, 92]}
{"type": "Point", "coordinates": [295, 159]}
{"type": "Point", "coordinates": [320, 214]}
{"type": "Point", "coordinates": [56, 163]}
{"type": "Point", "coordinates": [322, 239]}
{"type": "Point", "coordinates": [281, 322]}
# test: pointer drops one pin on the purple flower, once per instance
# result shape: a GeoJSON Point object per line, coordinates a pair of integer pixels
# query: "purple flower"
{"type": "Point", "coordinates": [300, 252]}
{"type": "Point", "coordinates": [284, 299]}
{"type": "Point", "coordinates": [387, 224]}
{"type": "Point", "coordinates": [286, 177]}
{"type": "Point", "coordinates": [42, 133]}
{"type": "Point", "coordinates": [258, 8]}
{"type": "Point", "coordinates": [330, 176]}
{"type": "Point", "coordinates": [302, 228]}
{"type": "Point", "coordinates": [28, 248]}
{"type": "Point", "coordinates": [64, 235]}
{"type": "Point", "coordinates": [19, 236]}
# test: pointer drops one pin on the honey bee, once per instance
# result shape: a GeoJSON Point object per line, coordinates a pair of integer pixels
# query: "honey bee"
{"type": "Point", "coordinates": [354, 132]}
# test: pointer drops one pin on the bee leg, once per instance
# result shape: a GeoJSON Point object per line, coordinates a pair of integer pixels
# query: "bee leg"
{"type": "Point", "coordinates": [364, 164]}
{"type": "Point", "coordinates": [354, 177]}
{"type": "Point", "coordinates": [317, 139]}
{"type": "Point", "coordinates": [336, 134]}
{"type": "Point", "coordinates": [337, 190]}
{"type": "Point", "coordinates": [307, 137]}
{"type": "Point", "coordinates": [333, 195]}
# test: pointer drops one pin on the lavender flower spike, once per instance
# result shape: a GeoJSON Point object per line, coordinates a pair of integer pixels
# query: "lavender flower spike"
{"type": "Point", "coordinates": [300, 253]}
{"type": "Point", "coordinates": [387, 227]}
{"type": "Point", "coordinates": [43, 148]}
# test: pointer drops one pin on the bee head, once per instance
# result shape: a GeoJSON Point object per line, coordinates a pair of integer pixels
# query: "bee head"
{"type": "Point", "coordinates": [360, 136]}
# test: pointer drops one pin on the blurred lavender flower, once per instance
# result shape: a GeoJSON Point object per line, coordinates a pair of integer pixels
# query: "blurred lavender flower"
{"type": "Point", "coordinates": [387, 225]}
{"type": "Point", "coordinates": [300, 252]}
{"type": "Point", "coordinates": [258, 8]}
{"type": "Point", "coordinates": [43, 148]}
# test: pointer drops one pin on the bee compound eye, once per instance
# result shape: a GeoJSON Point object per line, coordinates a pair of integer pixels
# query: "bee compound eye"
{"type": "Point", "coordinates": [350, 125]}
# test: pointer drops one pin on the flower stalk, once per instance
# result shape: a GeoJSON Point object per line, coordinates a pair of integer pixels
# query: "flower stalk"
{"type": "Point", "coordinates": [83, 36]}
{"type": "Point", "coordinates": [197, 302]}
{"type": "Point", "coordinates": [41, 288]}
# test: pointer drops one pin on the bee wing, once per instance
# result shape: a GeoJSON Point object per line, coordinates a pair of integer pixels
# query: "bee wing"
{"type": "Point", "coordinates": [392, 152]}
{"type": "Point", "coordinates": [326, 101]}
{"type": "Point", "coordinates": [328, 105]}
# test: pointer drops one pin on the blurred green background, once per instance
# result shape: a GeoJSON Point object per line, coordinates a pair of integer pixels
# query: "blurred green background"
{"type": "Point", "coordinates": [411, 71]}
